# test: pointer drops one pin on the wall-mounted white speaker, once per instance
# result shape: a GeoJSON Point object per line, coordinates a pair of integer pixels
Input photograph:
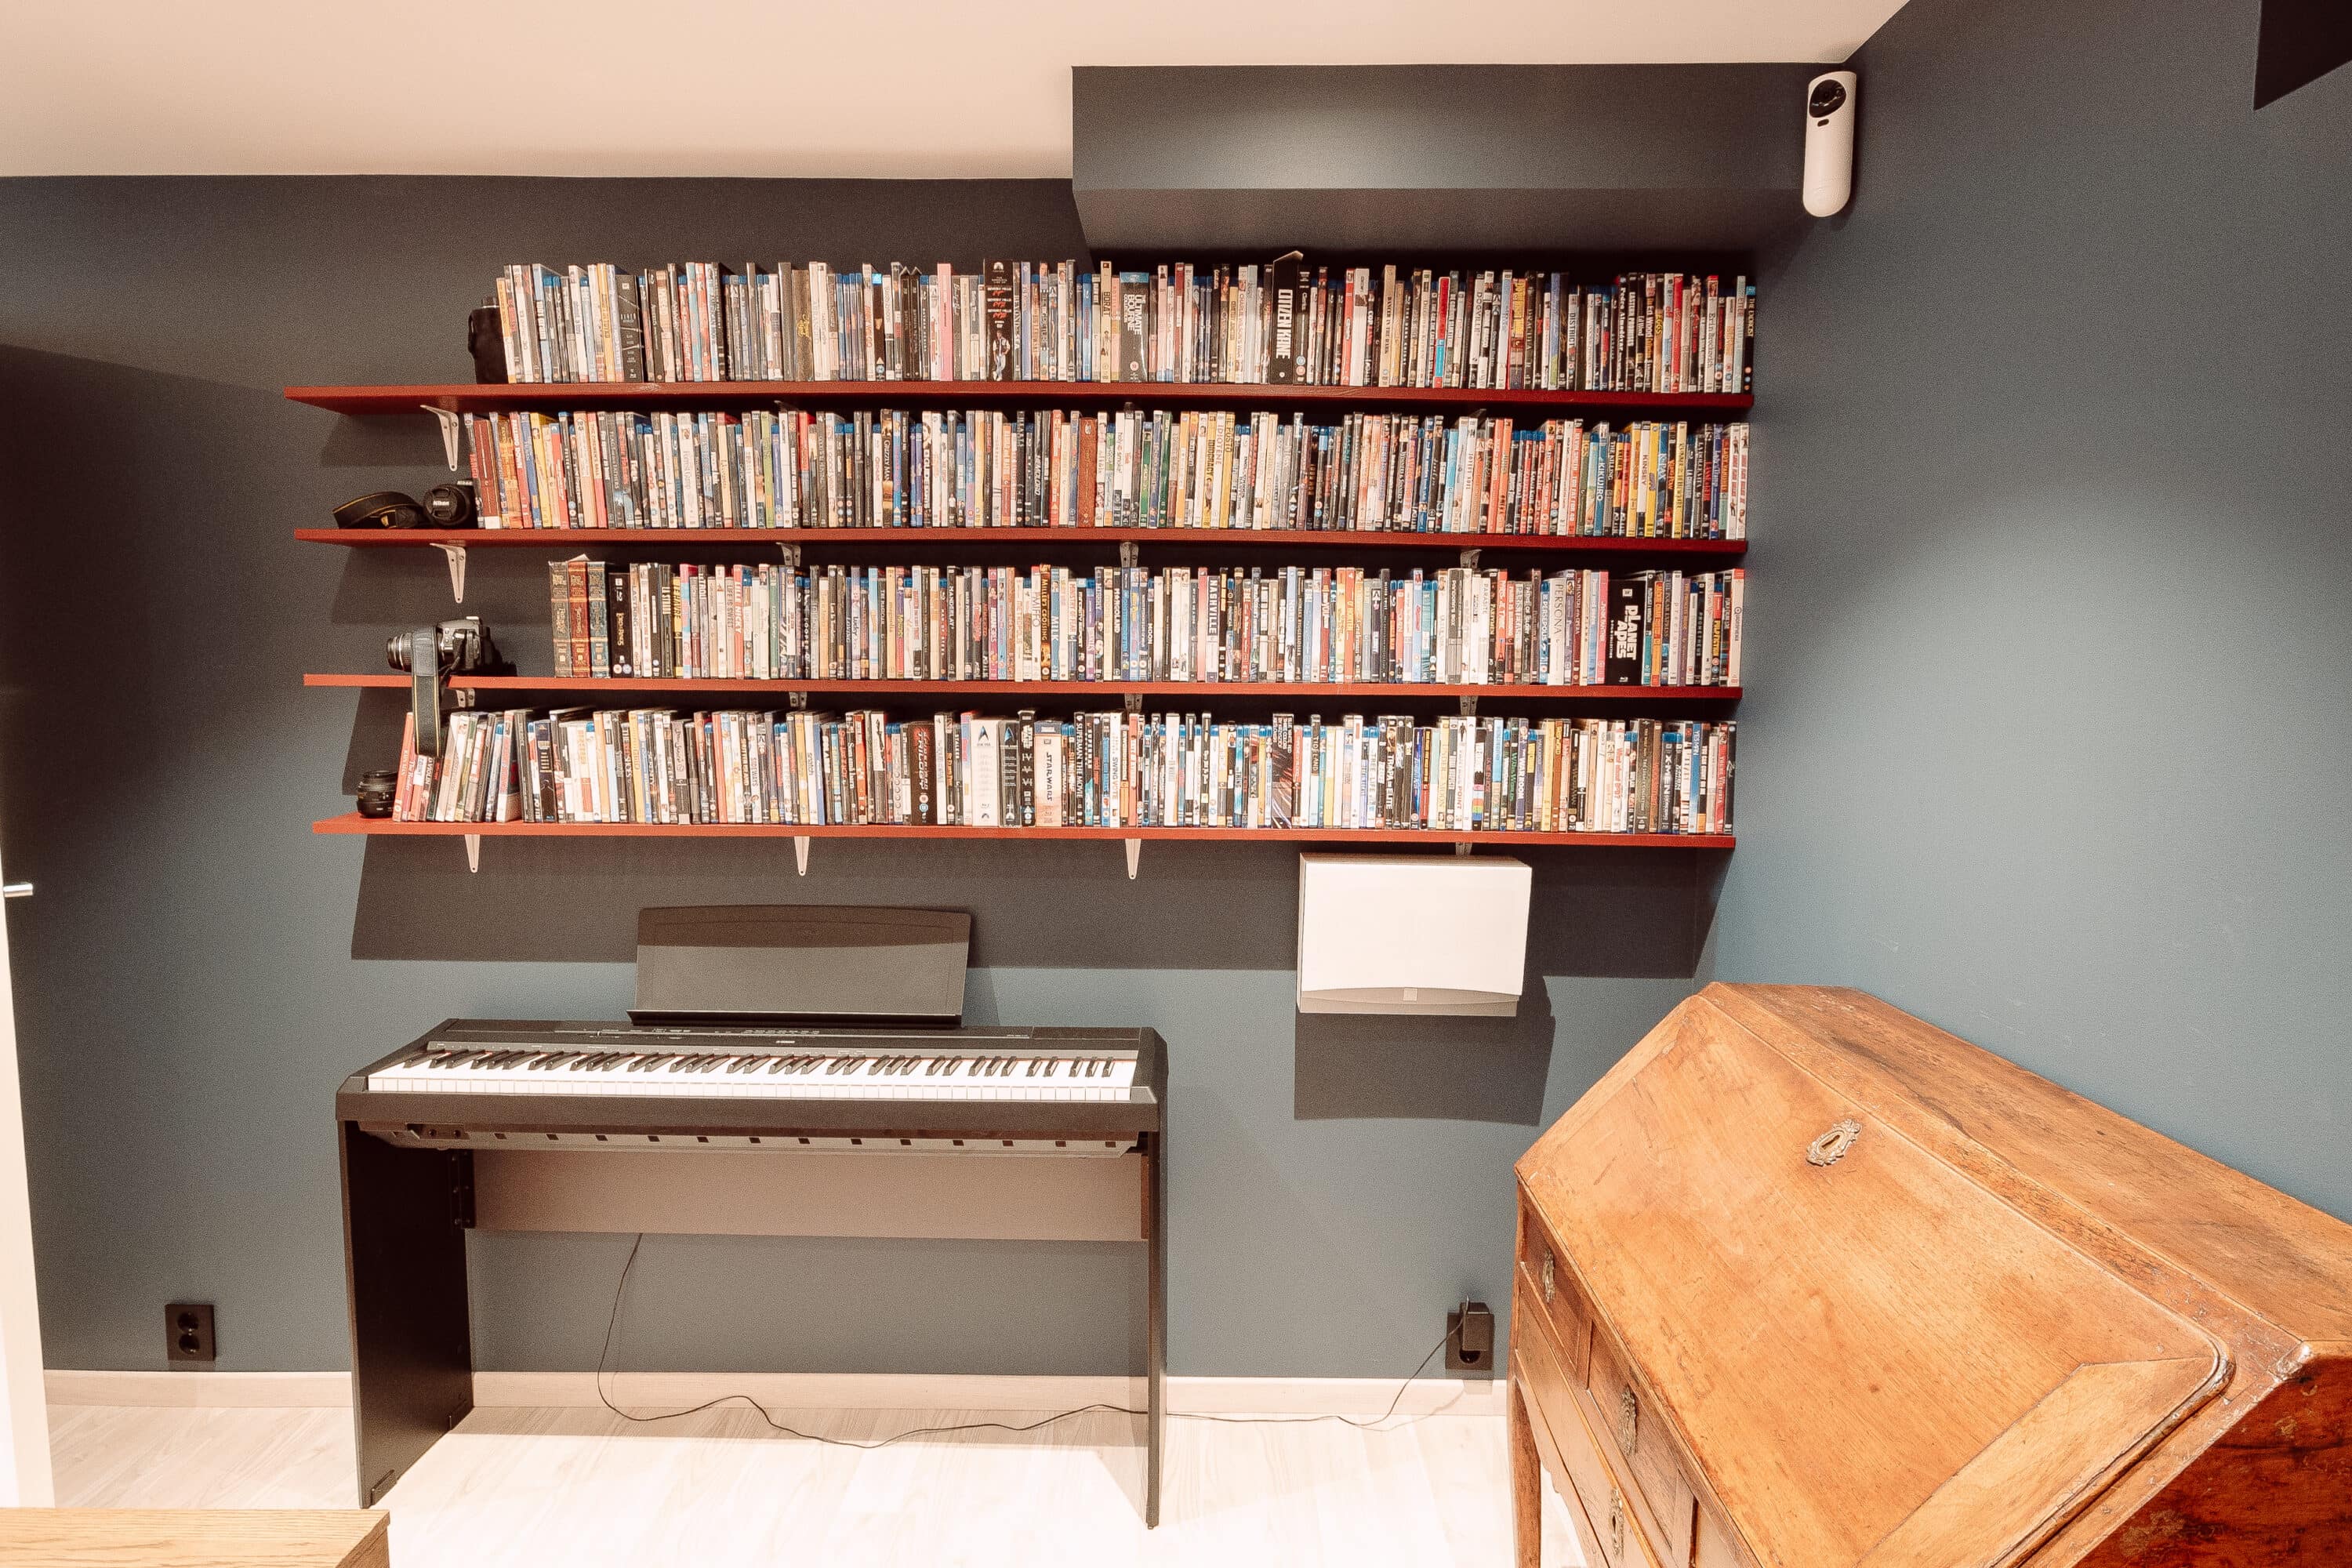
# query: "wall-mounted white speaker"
{"type": "Point", "coordinates": [1829, 142]}
{"type": "Point", "coordinates": [1412, 933]}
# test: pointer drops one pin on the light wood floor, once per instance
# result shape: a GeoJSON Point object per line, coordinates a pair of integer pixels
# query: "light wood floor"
{"type": "Point", "coordinates": [579, 1486]}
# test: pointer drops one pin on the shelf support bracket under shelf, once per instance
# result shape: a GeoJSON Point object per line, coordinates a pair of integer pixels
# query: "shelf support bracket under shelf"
{"type": "Point", "coordinates": [474, 853]}
{"type": "Point", "coordinates": [1134, 856]}
{"type": "Point", "coordinates": [456, 557]}
{"type": "Point", "coordinates": [448, 433]}
{"type": "Point", "coordinates": [800, 852]}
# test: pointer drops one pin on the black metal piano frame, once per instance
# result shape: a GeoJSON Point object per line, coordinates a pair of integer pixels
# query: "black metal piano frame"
{"type": "Point", "coordinates": [406, 1211]}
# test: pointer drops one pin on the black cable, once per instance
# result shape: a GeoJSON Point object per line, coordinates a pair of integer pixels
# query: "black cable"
{"type": "Point", "coordinates": [622, 1290]}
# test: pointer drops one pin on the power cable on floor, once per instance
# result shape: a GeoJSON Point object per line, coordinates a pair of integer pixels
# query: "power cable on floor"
{"type": "Point", "coordinates": [612, 1321]}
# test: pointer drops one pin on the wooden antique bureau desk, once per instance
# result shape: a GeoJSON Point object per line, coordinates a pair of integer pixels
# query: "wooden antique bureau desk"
{"type": "Point", "coordinates": [1806, 1283]}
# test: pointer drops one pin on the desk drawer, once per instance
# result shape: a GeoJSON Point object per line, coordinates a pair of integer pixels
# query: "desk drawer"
{"type": "Point", "coordinates": [1552, 1404]}
{"type": "Point", "coordinates": [1546, 1279]}
{"type": "Point", "coordinates": [1629, 1424]}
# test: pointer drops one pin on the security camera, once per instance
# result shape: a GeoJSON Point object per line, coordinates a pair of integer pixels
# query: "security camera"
{"type": "Point", "coordinates": [1829, 142]}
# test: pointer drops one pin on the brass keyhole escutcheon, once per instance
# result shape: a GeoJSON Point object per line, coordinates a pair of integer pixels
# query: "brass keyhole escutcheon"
{"type": "Point", "coordinates": [1616, 1523]}
{"type": "Point", "coordinates": [1628, 1420]}
{"type": "Point", "coordinates": [1831, 1146]}
{"type": "Point", "coordinates": [1547, 1284]}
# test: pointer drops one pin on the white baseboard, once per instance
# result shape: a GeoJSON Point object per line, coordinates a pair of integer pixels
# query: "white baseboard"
{"type": "Point", "coordinates": [1358, 1396]}
{"type": "Point", "coordinates": [202, 1390]}
{"type": "Point", "coordinates": [1363, 1396]}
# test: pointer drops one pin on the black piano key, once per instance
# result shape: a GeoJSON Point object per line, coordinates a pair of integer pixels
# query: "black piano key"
{"type": "Point", "coordinates": [1032, 1070]}
{"type": "Point", "coordinates": [875, 1066]}
{"type": "Point", "coordinates": [779, 1064]}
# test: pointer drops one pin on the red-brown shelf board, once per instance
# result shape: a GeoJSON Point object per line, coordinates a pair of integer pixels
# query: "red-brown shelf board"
{"type": "Point", "coordinates": [1369, 691]}
{"type": "Point", "coordinates": [353, 824]}
{"type": "Point", "coordinates": [469, 397]}
{"type": "Point", "coordinates": [1362, 538]}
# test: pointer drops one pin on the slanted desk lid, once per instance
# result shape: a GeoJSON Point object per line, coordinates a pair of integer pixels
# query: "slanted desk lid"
{"type": "Point", "coordinates": [1878, 1362]}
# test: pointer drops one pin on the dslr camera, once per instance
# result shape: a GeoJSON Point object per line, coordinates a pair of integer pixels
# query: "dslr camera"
{"type": "Point", "coordinates": [461, 646]}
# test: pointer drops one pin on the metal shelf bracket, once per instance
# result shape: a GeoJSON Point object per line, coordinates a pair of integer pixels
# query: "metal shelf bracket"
{"type": "Point", "coordinates": [448, 433]}
{"type": "Point", "coordinates": [1134, 854]}
{"type": "Point", "coordinates": [800, 853]}
{"type": "Point", "coordinates": [456, 556]}
{"type": "Point", "coordinates": [474, 853]}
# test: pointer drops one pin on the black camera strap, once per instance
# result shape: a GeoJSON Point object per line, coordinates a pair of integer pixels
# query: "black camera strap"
{"type": "Point", "coordinates": [425, 689]}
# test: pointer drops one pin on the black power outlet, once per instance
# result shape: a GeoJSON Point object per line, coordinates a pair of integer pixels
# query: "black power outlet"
{"type": "Point", "coordinates": [188, 1334]}
{"type": "Point", "coordinates": [1470, 1338]}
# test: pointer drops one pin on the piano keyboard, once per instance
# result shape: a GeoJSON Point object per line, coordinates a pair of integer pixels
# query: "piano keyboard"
{"type": "Point", "coordinates": [775, 1073]}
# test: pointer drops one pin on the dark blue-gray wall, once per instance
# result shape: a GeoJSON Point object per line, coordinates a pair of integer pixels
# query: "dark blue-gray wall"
{"type": "Point", "coordinates": [2049, 648]}
{"type": "Point", "coordinates": [198, 972]}
{"type": "Point", "coordinates": [2047, 739]}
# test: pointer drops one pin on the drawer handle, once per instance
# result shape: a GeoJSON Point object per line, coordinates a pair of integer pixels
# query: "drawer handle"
{"type": "Point", "coordinates": [1549, 1286]}
{"type": "Point", "coordinates": [1616, 1523]}
{"type": "Point", "coordinates": [1629, 1421]}
{"type": "Point", "coordinates": [1831, 1146]}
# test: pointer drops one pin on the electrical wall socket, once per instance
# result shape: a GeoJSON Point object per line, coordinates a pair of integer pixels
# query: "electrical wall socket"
{"type": "Point", "coordinates": [188, 1343]}
{"type": "Point", "coordinates": [1470, 1338]}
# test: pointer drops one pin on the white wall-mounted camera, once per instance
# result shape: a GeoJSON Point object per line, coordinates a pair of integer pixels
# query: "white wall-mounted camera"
{"type": "Point", "coordinates": [1829, 142]}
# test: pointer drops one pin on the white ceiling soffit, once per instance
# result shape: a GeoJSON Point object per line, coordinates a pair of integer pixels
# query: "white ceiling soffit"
{"type": "Point", "coordinates": [890, 89]}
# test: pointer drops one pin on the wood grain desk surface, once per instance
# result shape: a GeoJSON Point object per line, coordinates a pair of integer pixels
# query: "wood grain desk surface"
{"type": "Point", "coordinates": [194, 1538]}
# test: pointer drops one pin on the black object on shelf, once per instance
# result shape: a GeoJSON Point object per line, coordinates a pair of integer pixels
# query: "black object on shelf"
{"type": "Point", "coordinates": [486, 340]}
{"type": "Point", "coordinates": [375, 792]}
{"type": "Point", "coordinates": [450, 505]}
{"type": "Point", "coordinates": [381, 509]}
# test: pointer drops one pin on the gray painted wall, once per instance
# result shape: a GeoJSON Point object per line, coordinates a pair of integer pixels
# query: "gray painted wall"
{"type": "Point", "coordinates": [199, 972]}
{"type": "Point", "coordinates": [2049, 738]}
{"type": "Point", "coordinates": [1257, 159]}
{"type": "Point", "coordinates": [2051, 472]}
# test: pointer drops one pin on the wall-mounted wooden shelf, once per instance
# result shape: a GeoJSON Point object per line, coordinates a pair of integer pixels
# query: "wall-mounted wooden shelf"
{"type": "Point", "coordinates": [353, 823]}
{"type": "Point", "coordinates": [1277, 690]}
{"type": "Point", "coordinates": [1700, 552]}
{"type": "Point", "coordinates": [467, 397]}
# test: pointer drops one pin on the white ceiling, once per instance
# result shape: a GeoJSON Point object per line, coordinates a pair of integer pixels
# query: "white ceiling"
{"type": "Point", "coordinates": [880, 88]}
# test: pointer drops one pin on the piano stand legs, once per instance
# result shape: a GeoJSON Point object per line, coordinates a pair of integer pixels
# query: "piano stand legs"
{"type": "Point", "coordinates": [1155, 1219]}
{"type": "Point", "coordinates": [404, 1217]}
{"type": "Point", "coordinates": [405, 1214]}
